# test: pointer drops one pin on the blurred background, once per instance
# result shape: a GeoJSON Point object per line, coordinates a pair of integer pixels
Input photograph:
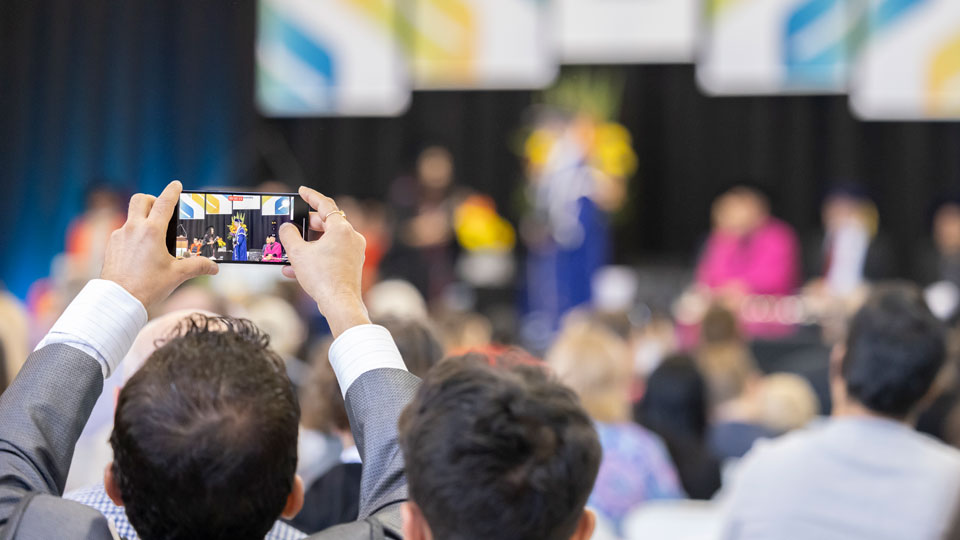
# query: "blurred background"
{"type": "Point", "coordinates": [720, 177]}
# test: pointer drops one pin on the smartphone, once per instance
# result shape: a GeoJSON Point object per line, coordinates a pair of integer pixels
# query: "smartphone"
{"type": "Point", "coordinates": [234, 227]}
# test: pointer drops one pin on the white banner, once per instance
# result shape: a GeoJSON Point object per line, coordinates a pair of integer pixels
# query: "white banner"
{"type": "Point", "coordinates": [756, 47]}
{"type": "Point", "coordinates": [245, 202]}
{"type": "Point", "coordinates": [481, 44]}
{"type": "Point", "coordinates": [330, 57]}
{"type": "Point", "coordinates": [626, 31]}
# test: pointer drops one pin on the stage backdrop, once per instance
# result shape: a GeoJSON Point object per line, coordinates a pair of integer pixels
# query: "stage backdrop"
{"type": "Point", "coordinates": [138, 94]}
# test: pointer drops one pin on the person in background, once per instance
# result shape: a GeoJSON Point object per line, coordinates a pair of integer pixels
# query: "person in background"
{"type": "Point", "coordinates": [733, 381]}
{"type": "Point", "coordinates": [87, 234]}
{"type": "Point", "coordinates": [636, 466]}
{"type": "Point", "coordinates": [272, 252]}
{"type": "Point", "coordinates": [14, 337]}
{"type": "Point", "coordinates": [749, 252]}
{"type": "Point", "coordinates": [675, 407]}
{"type": "Point", "coordinates": [865, 472]}
{"type": "Point", "coordinates": [210, 243]}
{"type": "Point", "coordinates": [332, 493]}
{"type": "Point", "coordinates": [937, 261]}
{"type": "Point", "coordinates": [195, 247]}
{"type": "Point", "coordinates": [849, 252]}
{"type": "Point", "coordinates": [423, 250]}
{"type": "Point", "coordinates": [239, 241]}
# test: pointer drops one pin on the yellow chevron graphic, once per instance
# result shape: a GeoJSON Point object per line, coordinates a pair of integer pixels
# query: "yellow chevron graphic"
{"type": "Point", "coordinates": [213, 205]}
{"type": "Point", "coordinates": [943, 80]}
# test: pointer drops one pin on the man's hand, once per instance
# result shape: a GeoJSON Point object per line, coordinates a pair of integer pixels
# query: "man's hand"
{"type": "Point", "coordinates": [137, 258]}
{"type": "Point", "coordinates": [330, 268]}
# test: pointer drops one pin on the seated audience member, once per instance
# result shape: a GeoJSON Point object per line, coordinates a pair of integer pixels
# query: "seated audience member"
{"type": "Point", "coordinates": [787, 402]}
{"type": "Point", "coordinates": [674, 406]}
{"type": "Point", "coordinates": [497, 449]}
{"type": "Point", "coordinates": [865, 472]}
{"type": "Point", "coordinates": [272, 251]}
{"type": "Point", "coordinates": [636, 466]}
{"type": "Point", "coordinates": [733, 382]}
{"type": "Point", "coordinates": [205, 436]}
{"type": "Point", "coordinates": [333, 488]}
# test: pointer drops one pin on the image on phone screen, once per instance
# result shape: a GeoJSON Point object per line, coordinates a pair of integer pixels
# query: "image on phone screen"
{"type": "Point", "coordinates": [233, 227]}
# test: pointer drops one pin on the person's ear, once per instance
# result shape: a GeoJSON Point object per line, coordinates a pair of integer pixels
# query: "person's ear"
{"type": "Point", "coordinates": [588, 522]}
{"type": "Point", "coordinates": [294, 500]}
{"type": "Point", "coordinates": [110, 485]}
{"type": "Point", "coordinates": [415, 526]}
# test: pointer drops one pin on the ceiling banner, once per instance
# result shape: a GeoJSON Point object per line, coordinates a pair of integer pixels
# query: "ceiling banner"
{"type": "Point", "coordinates": [330, 58]}
{"type": "Point", "coordinates": [910, 66]}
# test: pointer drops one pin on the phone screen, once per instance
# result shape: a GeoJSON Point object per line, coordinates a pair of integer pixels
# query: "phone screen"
{"type": "Point", "coordinates": [233, 227]}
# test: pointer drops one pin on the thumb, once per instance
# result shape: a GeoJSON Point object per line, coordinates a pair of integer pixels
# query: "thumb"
{"type": "Point", "coordinates": [197, 266]}
{"type": "Point", "coordinates": [291, 238]}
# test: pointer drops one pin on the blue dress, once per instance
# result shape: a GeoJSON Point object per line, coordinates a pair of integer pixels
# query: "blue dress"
{"type": "Point", "coordinates": [240, 245]}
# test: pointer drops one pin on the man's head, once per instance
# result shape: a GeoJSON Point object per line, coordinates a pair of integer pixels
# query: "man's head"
{"type": "Point", "coordinates": [741, 210]}
{"type": "Point", "coordinates": [497, 453]}
{"type": "Point", "coordinates": [205, 436]}
{"type": "Point", "coordinates": [894, 352]}
{"type": "Point", "coordinates": [271, 239]}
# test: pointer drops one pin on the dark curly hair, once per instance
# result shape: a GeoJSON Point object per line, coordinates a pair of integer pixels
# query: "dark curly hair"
{"type": "Point", "coordinates": [205, 435]}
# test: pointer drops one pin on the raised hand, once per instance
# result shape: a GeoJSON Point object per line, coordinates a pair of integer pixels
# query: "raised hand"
{"type": "Point", "coordinates": [329, 268]}
{"type": "Point", "coordinates": [137, 258]}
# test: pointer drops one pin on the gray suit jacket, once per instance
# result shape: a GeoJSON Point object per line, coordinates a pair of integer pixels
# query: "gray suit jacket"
{"type": "Point", "coordinates": [43, 412]}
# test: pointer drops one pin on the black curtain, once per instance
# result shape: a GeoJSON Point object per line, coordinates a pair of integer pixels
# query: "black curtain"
{"type": "Point", "coordinates": [138, 93]}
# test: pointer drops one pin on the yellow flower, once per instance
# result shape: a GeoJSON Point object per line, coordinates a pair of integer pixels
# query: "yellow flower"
{"type": "Point", "coordinates": [479, 227]}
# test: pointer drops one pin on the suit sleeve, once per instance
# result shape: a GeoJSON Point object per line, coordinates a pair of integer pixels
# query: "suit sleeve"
{"type": "Point", "coordinates": [41, 416]}
{"type": "Point", "coordinates": [374, 403]}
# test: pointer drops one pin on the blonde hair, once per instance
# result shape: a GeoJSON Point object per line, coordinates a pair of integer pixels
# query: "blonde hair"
{"type": "Point", "coordinates": [727, 368]}
{"type": "Point", "coordinates": [787, 402]}
{"type": "Point", "coordinates": [595, 363]}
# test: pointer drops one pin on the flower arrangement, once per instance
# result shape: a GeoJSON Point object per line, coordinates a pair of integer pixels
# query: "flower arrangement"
{"type": "Point", "coordinates": [233, 225]}
{"type": "Point", "coordinates": [479, 227]}
{"type": "Point", "coordinates": [220, 242]}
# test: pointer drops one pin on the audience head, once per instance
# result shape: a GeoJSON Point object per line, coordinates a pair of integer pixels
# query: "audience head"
{"type": "Point", "coordinates": [895, 349]}
{"type": "Point", "coordinates": [497, 452]}
{"type": "Point", "coordinates": [729, 370]}
{"type": "Point", "coordinates": [597, 365]}
{"type": "Point", "coordinates": [205, 436]}
{"type": "Point", "coordinates": [14, 336]}
{"type": "Point", "coordinates": [787, 402]}
{"type": "Point", "coordinates": [720, 326]}
{"type": "Point", "coordinates": [674, 404]}
{"type": "Point", "coordinates": [395, 298]}
{"type": "Point", "coordinates": [418, 343]}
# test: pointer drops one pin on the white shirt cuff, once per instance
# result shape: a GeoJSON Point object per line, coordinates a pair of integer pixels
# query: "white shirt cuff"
{"type": "Point", "coordinates": [361, 349]}
{"type": "Point", "coordinates": [102, 321]}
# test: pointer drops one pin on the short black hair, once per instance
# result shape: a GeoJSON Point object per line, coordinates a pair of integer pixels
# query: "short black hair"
{"type": "Point", "coordinates": [895, 350]}
{"type": "Point", "coordinates": [205, 435]}
{"type": "Point", "coordinates": [503, 453]}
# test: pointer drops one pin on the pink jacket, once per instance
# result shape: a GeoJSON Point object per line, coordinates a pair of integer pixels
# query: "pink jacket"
{"type": "Point", "coordinates": [765, 261]}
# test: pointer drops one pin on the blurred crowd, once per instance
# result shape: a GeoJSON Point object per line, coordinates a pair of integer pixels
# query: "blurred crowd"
{"type": "Point", "coordinates": [679, 390]}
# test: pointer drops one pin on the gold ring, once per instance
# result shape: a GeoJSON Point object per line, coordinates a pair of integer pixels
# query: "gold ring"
{"type": "Point", "coordinates": [341, 212]}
